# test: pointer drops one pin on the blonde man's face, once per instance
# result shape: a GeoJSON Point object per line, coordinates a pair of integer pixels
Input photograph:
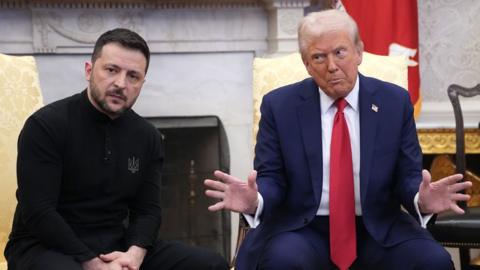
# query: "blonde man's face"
{"type": "Point", "coordinates": [332, 60]}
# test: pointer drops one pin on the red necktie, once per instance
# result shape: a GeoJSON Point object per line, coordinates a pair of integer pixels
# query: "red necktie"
{"type": "Point", "coordinates": [343, 242]}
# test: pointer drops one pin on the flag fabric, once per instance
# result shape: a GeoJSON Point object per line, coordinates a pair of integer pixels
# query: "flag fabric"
{"type": "Point", "coordinates": [390, 27]}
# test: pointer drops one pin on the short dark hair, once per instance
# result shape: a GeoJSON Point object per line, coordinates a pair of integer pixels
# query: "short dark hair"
{"type": "Point", "coordinates": [124, 37]}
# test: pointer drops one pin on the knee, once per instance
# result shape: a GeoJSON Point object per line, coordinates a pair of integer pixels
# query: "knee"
{"type": "Point", "coordinates": [54, 261]}
{"type": "Point", "coordinates": [284, 261]}
{"type": "Point", "coordinates": [217, 262]}
{"type": "Point", "coordinates": [439, 260]}
{"type": "Point", "coordinates": [289, 251]}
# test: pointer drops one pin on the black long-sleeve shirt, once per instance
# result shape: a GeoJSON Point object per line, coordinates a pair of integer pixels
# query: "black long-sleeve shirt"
{"type": "Point", "coordinates": [81, 174]}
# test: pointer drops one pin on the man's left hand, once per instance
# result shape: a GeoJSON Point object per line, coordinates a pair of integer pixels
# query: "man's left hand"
{"type": "Point", "coordinates": [442, 195]}
{"type": "Point", "coordinates": [130, 260]}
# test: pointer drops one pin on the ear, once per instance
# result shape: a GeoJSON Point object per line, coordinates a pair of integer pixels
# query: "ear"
{"type": "Point", "coordinates": [88, 70]}
{"type": "Point", "coordinates": [359, 49]}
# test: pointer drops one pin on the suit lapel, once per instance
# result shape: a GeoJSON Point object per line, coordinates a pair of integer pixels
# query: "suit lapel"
{"type": "Point", "coordinates": [370, 109]}
{"type": "Point", "coordinates": [308, 112]}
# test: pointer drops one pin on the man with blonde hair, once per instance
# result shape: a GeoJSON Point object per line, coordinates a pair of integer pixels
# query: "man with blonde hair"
{"type": "Point", "coordinates": [337, 156]}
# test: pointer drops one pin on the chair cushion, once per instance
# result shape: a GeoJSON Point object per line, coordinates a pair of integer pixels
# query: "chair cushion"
{"type": "Point", "coordinates": [458, 230]}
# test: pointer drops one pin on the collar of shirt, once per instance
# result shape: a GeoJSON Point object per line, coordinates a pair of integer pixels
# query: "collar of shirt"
{"type": "Point", "coordinates": [97, 115]}
{"type": "Point", "coordinates": [326, 102]}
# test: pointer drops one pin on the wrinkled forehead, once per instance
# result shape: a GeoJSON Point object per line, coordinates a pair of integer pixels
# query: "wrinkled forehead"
{"type": "Point", "coordinates": [118, 56]}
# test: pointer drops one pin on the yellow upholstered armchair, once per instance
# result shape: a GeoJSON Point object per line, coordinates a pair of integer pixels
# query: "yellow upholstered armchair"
{"type": "Point", "coordinates": [271, 73]}
{"type": "Point", "coordinates": [20, 95]}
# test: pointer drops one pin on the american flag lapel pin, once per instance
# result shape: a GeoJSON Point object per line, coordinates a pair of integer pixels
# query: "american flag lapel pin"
{"type": "Point", "coordinates": [374, 108]}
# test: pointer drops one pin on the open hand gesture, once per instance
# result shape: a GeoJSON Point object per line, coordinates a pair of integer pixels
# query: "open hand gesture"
{"type": "Point", "coordinates": [234, 194]}
{"type": "Point", "coordinates": [442, 195]}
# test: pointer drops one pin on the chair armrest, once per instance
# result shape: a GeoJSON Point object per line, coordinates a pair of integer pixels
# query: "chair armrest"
{"type": "Point", "coordinates": [243, 229]}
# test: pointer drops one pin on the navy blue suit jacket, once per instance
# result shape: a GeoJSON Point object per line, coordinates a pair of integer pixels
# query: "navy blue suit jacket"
{"type": "Point", "coordinates": [288, 158]}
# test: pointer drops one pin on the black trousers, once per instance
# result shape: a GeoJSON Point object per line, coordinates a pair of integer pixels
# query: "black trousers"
{"type": "Point", "coordinates": [163, 256]}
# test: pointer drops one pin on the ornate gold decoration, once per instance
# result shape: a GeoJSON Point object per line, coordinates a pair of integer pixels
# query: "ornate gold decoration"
{"type": "Point", "coordinates": [476, 261]}
{"type": "Point", "coordinates": [443, 166]}
{"type": "Point", "coordinates": [162, 4]}
{"type": "Point", "coordinates": [442, 141]}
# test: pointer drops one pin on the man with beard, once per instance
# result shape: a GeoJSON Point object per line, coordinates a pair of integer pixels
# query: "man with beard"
{"type": "Point", "coordinates": [89, 172]}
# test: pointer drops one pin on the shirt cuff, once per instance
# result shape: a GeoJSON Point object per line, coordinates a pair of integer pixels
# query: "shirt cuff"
{"type": "Point", "coordinates": [254, 221]}
{"type": "Point", "coordinates": [422, 218]}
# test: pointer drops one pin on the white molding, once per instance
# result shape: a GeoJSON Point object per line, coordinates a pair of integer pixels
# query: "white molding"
{"type": "Point", "coordinates": [72, 30]}
{"type": "Point", "coordinates": [440, 114]}
{"type": "Point", "coordinates": [283, 18]}
{"type": "Point", "coordinates": [126, 4]}
{"type": "Point", "coordinates": [275, 4]}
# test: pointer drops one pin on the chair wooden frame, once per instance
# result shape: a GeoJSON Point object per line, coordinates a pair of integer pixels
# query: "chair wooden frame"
{"type": "Point", "coordinates": [459, 231]}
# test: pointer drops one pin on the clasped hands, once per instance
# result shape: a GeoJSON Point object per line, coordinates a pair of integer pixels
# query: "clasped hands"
{"type": "Point", "coordinates": [117, 260]}
{"type": "Point", "coordinates": [240, 196]}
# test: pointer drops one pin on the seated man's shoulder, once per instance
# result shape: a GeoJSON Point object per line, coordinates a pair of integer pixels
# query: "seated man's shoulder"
{"type": "Point", "coordinates": [293, 90]}
{"type": "Point", "coordinates": [385, 88]}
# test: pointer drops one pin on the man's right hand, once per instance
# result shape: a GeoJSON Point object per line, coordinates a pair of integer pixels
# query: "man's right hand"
{"type": "Point", "coordinates": [234, 194]}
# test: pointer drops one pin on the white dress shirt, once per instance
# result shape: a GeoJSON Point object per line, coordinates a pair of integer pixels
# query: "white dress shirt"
{"type": "Point", "coordinates": [352, 116]}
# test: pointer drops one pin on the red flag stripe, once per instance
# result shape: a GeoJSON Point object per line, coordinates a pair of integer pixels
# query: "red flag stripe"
{"type": "Point", "coordinates": [383, 22]}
